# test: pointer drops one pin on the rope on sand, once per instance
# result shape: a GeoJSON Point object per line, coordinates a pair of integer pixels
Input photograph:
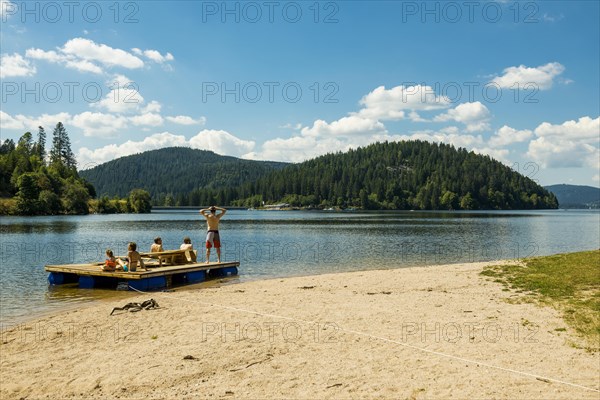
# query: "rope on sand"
{"type": "Point", "coordinates": [135, 307]}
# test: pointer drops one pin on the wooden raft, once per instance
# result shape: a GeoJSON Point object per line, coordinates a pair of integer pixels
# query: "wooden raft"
{"type": "Point", "coordinates": [156, 275]}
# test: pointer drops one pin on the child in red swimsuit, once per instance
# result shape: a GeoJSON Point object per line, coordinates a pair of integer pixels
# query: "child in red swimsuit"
{"type": "Point", "coordinates": [111, 262]}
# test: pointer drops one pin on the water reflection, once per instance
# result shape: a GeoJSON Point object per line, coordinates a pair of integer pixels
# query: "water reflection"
{"type": "Point", "coordinates": [278, 244]}
{"type": "Point", "coordinates": [28, 227]}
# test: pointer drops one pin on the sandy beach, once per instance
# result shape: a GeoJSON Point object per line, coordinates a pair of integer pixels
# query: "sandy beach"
{"type": "Point", "coordinates": [418, 333]}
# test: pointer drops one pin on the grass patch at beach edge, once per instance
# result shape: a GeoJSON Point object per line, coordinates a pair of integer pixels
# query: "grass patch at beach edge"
{"type": "Point", "coordinates": [568, 282]}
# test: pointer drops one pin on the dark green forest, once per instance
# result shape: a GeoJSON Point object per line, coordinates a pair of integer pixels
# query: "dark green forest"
{"type": "Point", "coordinates": [400, 175]}
{"type": "Point", "coordinates": [174, 175]}
{"type": "Point", "coordinates": [36, 182]}
{"type": "Point", "coordinates": [396, 175]}
{"type": "Point", "coordinates": [41, 183]}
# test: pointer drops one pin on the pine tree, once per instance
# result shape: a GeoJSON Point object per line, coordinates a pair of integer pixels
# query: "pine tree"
{"type": "Point", "coordinates": [61, 155]}
{"type": "Point", "coordinates": [27, 196]}
{"type": "Point", "coordinates": [40, 146]}
{"type": "Point", "coordinates": [26, 143]}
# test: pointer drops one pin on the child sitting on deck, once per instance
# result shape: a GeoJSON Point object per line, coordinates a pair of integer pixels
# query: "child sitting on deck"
{"type": "Point", "coordinates": [156, 246]}
{"type": "Point", "coordinates": [111, 262]}
{"type": "Point", "coordinates": [187, 244]}
{"type": "Point", "coordinates": [133, 257]}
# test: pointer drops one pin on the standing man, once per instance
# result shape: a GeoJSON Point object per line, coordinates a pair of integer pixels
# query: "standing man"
{"type": "Point", "coordinates": [212, 237]}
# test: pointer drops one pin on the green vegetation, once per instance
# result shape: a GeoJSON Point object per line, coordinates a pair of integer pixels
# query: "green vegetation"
{"type": "Point", "coordinates": [399, 175]}
{"type": "Point", "coordinates": [138, 201]}
{"type": "Point", "coordinates": [395, 176]}
{"type": "Point", "coordinates": [34, 182]}
{"type": "Point", "coordinates": [568, 282]}
{"type": "Point", "coordinates": [175, 176]}
{"type": "Point", "coordinates": [41, 183]}
{"type": "Point", "coordinates": [576, 196]}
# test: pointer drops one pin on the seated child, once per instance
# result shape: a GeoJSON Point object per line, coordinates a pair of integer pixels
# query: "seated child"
{"type": "Point", "coordinates": [187, 244]}
{"type": "Point", "coordinates": [133, 258]}
{"type": "Point", "coordinates": [156, 246]}
{"type": "Point", "coordinates": [111, 262]}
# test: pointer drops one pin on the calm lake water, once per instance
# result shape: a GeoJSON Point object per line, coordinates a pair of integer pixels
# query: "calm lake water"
{"type": "Point", "coordinates": [277, 244]}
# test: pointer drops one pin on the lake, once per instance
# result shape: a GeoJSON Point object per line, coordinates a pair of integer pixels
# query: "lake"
{"type": "Point", "coordinates": [277, 244]}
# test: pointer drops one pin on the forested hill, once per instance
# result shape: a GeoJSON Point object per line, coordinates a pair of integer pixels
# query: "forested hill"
{"type": "Point", "coordinates": [576, 196]}
{"type": "Point", "coordinates": [396, 175]}
{"type": "Point", "coordinates": [400, 175]}
{"type": "Point", "coordinates": [174, 171]}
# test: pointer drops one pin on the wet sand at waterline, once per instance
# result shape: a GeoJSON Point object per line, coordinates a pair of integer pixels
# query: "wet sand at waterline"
{"type": "Point", "coordinates": [425, 332]}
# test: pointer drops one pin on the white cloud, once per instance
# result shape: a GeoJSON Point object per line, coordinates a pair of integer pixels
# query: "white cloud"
{"type": "Point", "coordinates": [39, 54]}
{"type": "Point", "coordinates": [297, 148]}
{"type": "Point", "coordinates": [364, 127]}
{"type": "Point", "coordinates": [552, 18]}
{"type": "Point", "coordinates": [155, 56]}
{"type": "Point", "coordinates": [565, 81]}
{"type": "Point", "coordinates": [475, 116]}
{"type": "Point", "coordinates": [570, 144]}
{"type": "Point", "coordinates": [507, 135]}
{"type": "Point", "coordinates": [392, 104]}
{"type": "Point", "coordinates": [48, 121]}
{"type": "Point", "coordinates": [8, 122]}
{"type": "Point", "coordinates": [120, 81]}
{"type": "Point", "coordinates": [83, 66]}
{"type": "Point", "coordinates": [346, 126]}
{"type": "Point", "coordinates": [552, 153]}
{"type": "Point", "coordinates": [122, 100]}
{"type": "Point", "coordinates": [89, 158]}
{"type": "Point", "coordinates": [415, 117]}
{"type": "Point", "coordinates": [185, 120]}
{"type": "Point", "coordinates": [542, 76]}
{"type": "Point", "coordinates": [221, 142]}
{"type": "Point", "coordinates": [148, 119]}
{"type": "Point", "coordinates": [301, 148]}
{"type": "Point", "coordinates": [152, 107]}
{"type": "Point", "coordinates": [15, 65]}
{"type": "Point", "coordinates": [60, 58]}
{"type": "Point", "coordinates": [99, 124]}
{"type": "Point", "coordinates": [28, 123]}
{"type": "Point", "coordinates": [295, 127]}
{"type": "Point", "coordinates": [85, 55]}
{"type": "Point", "coordinates": [89, 50]}
{"type": "Point", "coordinates": [584, 128]}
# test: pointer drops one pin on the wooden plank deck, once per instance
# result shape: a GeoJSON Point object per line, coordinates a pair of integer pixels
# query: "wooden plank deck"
{"type": "Point", "coordinates": [95, 270]}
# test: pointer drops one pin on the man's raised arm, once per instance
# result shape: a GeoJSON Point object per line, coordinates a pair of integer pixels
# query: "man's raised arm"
{"type": "Point", "coordinates": [223, 211]}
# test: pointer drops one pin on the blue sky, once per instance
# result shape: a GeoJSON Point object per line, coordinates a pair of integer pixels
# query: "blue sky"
{"type": "Point", "coordinates": [292, 80]}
